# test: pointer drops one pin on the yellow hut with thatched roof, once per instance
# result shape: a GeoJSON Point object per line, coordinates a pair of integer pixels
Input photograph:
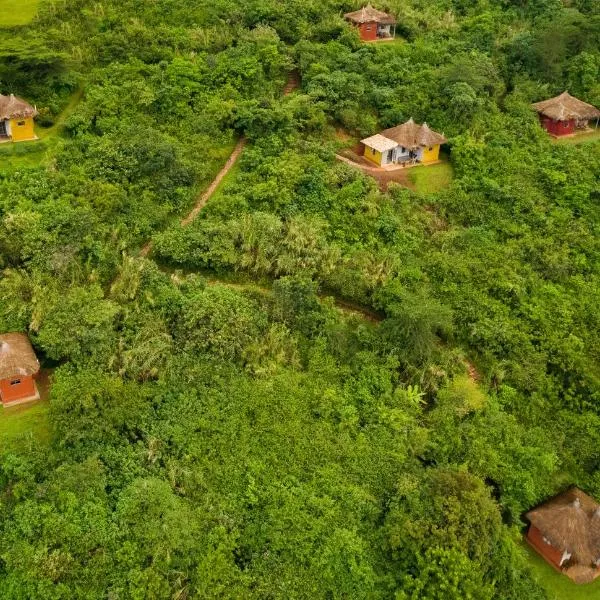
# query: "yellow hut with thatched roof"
{"type": "Point", "coordinates": [409, 143]}
{"type": "Point", "coordinates": [16, 119]}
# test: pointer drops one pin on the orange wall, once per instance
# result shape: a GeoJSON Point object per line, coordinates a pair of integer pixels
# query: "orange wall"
{"type": "Point", "coordinates": [11, 393]}
{"type": "Point", "coordinates": [368, 31]}
{"type": "Point", "coordinates": [551, 554]}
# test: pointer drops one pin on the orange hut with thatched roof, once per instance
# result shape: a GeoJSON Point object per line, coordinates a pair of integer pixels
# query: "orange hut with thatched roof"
{"type": "Point", "coordinates": [372, 24]}
{"type": "Point", "coordinates": [18, 367]}
{"type": "Point", "coordinates": [16, 119]}
{"type": "Point", "coordinates": [564, 114]}
{"type": "Point", "coordinates": [565, 530]}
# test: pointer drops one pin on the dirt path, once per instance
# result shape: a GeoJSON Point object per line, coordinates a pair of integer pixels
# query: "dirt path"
{"type": "Point", "coordinates": [382, 176]}
{"type": "Point", "coordinates": [292, 84]}
{"type": "Point", "coordinates": [205, 197]}
{"type": "Point", "coordinates": [210, 190]}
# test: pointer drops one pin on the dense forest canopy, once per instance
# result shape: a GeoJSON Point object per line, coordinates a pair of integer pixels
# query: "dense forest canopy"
{"type": "Point", "coordinates": [316, 389]}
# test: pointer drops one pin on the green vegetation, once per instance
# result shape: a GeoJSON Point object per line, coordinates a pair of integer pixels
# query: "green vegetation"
{"type": "Point", "coordinates": [24, 424]}
{"type": "Point", "coordinates": [582, 138]}
{"type": "Point", "coordinates": [17, 12]}
{"type": "Point", "coordinates": [432, 178]}
{"type": "Point", "coordinates": [557, 586]}
{"type": "Point", "coordinates": [219, 425]}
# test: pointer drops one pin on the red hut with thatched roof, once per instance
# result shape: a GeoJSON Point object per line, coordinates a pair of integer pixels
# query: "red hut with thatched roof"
{"type": "Point", "coordinates": [18, 367]}
{"type": "Point", "coordinates": [566, 532]}
{"type": "Point", "coordinates": [372, 24]}
{"type": "Point", "coordinates": [564, 114]}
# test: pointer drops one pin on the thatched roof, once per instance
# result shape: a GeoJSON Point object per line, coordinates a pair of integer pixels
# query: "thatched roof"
{"type": "Point", "coordinates": [411, 135]}
{"type": "Point", "coordinates": [17, 357]}
{"type": "Point", "coordinates": [565, 107]}
{"type": "Point", "coordinates": [13, 107]}
{"type": "Point", "coordinates": [571, 522]}
{"type": "Point", "coordinates": [379, 143]}
{"type": "Point", "coordinates": [368, 14]}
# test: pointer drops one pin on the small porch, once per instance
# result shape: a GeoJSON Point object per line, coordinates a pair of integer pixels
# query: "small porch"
{"type": "Point", "coordinates": [401, 156]}
{"type": "Point", "coordinates": [386, 31]}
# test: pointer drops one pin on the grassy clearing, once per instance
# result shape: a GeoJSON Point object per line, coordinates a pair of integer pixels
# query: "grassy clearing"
{"type": "Point", "coordinates": [581, 138]}
{"type": "Point", "coordinates": [17, 12]}
{"type": "Point", "coordinates": [432, 178]}
{"type": "Point", "coordinates": [558, 586]}
{"type": "Point", "coordinates": [397, 41]}
{"type": "Point", "coordinates": [22, 424]}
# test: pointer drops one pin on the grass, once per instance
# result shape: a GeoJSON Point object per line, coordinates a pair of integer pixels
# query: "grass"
{"type": "Point", "coordinates": [17, 12]}
{"type": "Point", "coordinates": [24, 423]}
{"type": "Point", "coordinates": [432, 178]}
{"type": "Point", "coordinates": [580, 138]}
{"type": "Point", "coordinates": [557, 585]}
{"type": "Point", "coordinates": [397, 41]}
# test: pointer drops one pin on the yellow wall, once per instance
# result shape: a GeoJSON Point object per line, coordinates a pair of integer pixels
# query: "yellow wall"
{"type": "Point", "coordinates": [431, 154]}
{"type": "Point", "coordinates": [22, 132]}
{"type": "Point", "coordinates": [373, 155]}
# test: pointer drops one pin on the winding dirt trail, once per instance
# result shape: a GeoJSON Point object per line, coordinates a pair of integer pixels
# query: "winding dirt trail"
{"type": "Point", "coordinates": [205, 196]}
{"type": "Point", "coordinates": [292, 84]}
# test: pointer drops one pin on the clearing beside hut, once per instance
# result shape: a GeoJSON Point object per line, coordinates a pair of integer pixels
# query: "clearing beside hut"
{"type": "Point", "coordinates": [17, 12]}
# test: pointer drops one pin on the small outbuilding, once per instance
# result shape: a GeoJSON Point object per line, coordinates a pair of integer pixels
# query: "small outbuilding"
{"type": "Point", "coordinates": [566, 532]}
{"type": "Point", "coordinates": [564, 114]}
{"type": "Point", "coordinates": [409, 143]}
{"type": "Point", "coordinates": [372, 24]}
{"type": "Point", "coordinates": [16, 119]}
{"type": "Point", "coordinates": [18, 368]}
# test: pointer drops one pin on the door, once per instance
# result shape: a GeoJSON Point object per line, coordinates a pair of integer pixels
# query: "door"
{"type": "Point", "coordinates": [3, 129]}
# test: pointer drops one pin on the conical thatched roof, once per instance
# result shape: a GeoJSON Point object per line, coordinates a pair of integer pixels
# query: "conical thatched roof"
{"type": "Point", "coordinates": [571, 522]}
{"type": "Point", "coordinates": [368, 14]}
{"type": "Point", "coordinates": [411, 135]}
{"type": "Point", "coordinates": [13, 107]}
{"type": "Point", "coordinates": [565, 107]}
{"type": "Point", "coordinates": [17, 357]}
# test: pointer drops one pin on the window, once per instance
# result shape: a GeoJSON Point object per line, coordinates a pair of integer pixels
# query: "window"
{"type": "Point", "coordinates": [403, 150]}
{"type": "Point", "coordinates": [373, 151]}
{"type": "Point", "coordinates": [21, 123]}
{"type": "Point", "coordinates": [15, 381]}
{"type": "Point", "coordinates": [368, 27]}
{"type": "Point", "coordinates": [430, 148]}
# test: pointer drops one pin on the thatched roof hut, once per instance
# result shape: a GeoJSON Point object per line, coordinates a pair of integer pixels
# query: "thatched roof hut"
{"type": "Point", "coordinates": [368, 14]}
{"type": "Point", "coordinates": [570, 524]}
{"type": "Point", "coordinates": [412, 135]}
{"type": "Point", "coordinates": [13, 107]}
{"type": "Point", "coordinates": [17, 358]}
{"type": "Point", "coordinates": [566, 107]}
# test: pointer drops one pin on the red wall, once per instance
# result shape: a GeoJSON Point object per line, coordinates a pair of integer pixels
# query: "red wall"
{"type": "Point", "coordinates": [551, 554]}
{"type": "Point", "coordinates": [11, 393]}
{"type": "Point", "coordinates": [368, 31]}
{"type": "Point", "coordinates": [558, 127]}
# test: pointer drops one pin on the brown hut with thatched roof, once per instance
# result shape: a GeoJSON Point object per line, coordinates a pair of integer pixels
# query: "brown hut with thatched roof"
{"type": "Point", "coordinates": [18, 367]}
{"type": "Point", "coordinates": [563, 114]}
{"type": "Point", "coordinates": [566, 532]}
{"type": "Point", "coordinates": [16, 119]}
{"type": "Point", "coordinates": [372, 24]}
